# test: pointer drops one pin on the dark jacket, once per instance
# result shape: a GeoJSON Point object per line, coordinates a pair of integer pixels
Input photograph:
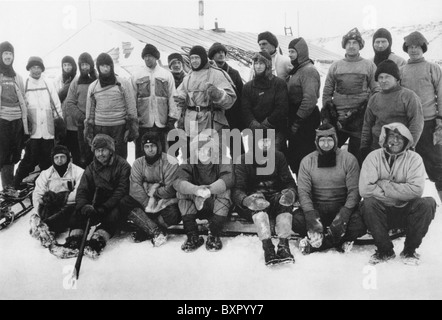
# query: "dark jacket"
{"type": "Point", "coordinates": [303, 86]}
{"type": "Point", "coordinates": [248, 182]}
{"type": "Point", "coordinates": [265, 99]}
{"type": "Point", "coordinates": [233, 114]}
{"type": "Point", "coordinates": [111, 181]}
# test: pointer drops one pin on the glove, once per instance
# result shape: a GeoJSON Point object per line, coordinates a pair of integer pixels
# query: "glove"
{"type": "Point", "coordinates": [266, 124]}
{"type": "Point", "coordinates": [437, 135]}
{"type": "Point", "coordinates": [49, 198]}
{"type": "Point", "coordinates": [170, 125]}
{"type": "Point", "coordinates": [180, 101]}
{"type": "Point", "coordinates": [89, 132]}
{"type": "Point", "coordinates": [315, 239]}
{"type": "Point", "coordinates": [255, 125]}
{"type": "Point", "coordinates": [255, 202]}
{"type": "Point", "coordinates": [88, 211]}
{"type": "Point", "coordinates": [203, 193]}
{"type": "Point", "coordinates": [101, 211]}
{"type": "Point", "coordinates": [214, 93]}
{"type": "Point", "coordinates": [339, 224]}
{"type": "Point", "coordinates": [288, 197]}
{"type": "Point", "coordinates": [313, 221]}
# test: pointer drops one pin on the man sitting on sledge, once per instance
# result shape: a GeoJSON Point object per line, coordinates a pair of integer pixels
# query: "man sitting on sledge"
{"type": "Point", "coordinates": [329, 196]}
{"type": "Point", "coordinates": [54, 197]}
{"type": "Point", "coordinates": [263, 192]}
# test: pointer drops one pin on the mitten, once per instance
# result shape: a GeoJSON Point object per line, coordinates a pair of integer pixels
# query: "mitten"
{"type": "Point", "coordinates": [255, 202]}
{"type": "Point", "coordinates": [88, 211]}
{"type": "Point", "coordinates": [288, 197]}
{"type": "Point", "coordinates": [214, 93]}
{"type": "Point", "coordinates": [313, 221]}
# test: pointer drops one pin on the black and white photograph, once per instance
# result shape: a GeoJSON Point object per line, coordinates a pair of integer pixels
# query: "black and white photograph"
{"type": "Point", "coordinates": [221, 154]}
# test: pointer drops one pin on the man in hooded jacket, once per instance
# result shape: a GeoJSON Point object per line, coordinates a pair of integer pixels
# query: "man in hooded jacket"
{"type": "Point", "coordinates": [392, 183]}
{"type": "Point", "coordinates": [303, 87]}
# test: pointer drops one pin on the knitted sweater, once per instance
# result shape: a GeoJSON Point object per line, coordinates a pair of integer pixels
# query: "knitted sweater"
{"type": "Point", "coordinates": [112, 104]}
{"type": "Point", "coordinates": [13, 111]}
{"type": "Point", "coordinates": [398, 105]}
{"type": "Point", "coordinates": [75, 109]}
{"type": "Point", "coordinates": [424, 78]}
{"type": "Point", "coordinates": [338, 184]}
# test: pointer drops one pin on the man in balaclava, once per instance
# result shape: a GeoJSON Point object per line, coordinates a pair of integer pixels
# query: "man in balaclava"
{"type": "Point", "coordinates": [68, 73]}
{"type": "Point", "coordinates": [111, 107]}
{"type": "Point", "coordinates": [382, 43]}
{"type": "Point", "coordinates": [267, 196]}
{"type": "Point", "coordinates": [54, 196]}
{"type": "Point", "coordinates": [13, 115]}
{"type": "Point", "coordinates": [329, 196]}
{"type": "Point", "coordinates": [152, 206]}
{"type": "Point", "coordinates": [176, 66]}
{"type": "Point", "coordinates": [76, 111]}
{"type": "Point", "coordinates": [204, 95]}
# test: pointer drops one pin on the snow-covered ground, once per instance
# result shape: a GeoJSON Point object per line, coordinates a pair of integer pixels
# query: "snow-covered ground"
{"type": "Point", "coordinates": [139, 271]}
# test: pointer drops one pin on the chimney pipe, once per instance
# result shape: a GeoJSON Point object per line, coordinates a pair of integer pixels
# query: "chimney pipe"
{"type": "Point", "coordinates": [201, 14]}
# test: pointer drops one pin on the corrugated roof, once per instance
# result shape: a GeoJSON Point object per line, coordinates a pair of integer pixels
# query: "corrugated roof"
{"type": "Point", "coordinates": [169, 39]}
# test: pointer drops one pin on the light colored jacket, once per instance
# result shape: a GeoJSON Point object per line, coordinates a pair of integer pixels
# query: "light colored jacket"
{"type": "Point", "coordinates": [20, 89]}
{"type": "Point", "coordinates": [50, 180]}
{"type": "Point", "coordinates": [38, 95]}
{"type": "Point", "coordinates": [395, 186]}
{"type": "Point", "coordinates": [154, 90]}
{"type": "Point", "coordinates": [425, 79]}
{"type": "Point", "coordinates": [162, 171]}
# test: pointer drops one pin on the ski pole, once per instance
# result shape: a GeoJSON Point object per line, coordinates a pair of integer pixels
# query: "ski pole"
{"type": "Point", "coordinates": [83, 241]}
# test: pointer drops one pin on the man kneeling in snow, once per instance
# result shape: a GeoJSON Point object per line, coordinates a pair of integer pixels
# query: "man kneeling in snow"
{"type": "Point", "coordinates": [54, 197]}
{"type": "Point", "coordinates": [261, 197]}
{"type": "Point", "coordinates": [329, 196]}
{"type": "Point", "coordinates": [152, 205]}
{"type": "Point", "coordinates": [203, 190]}
{"type": "Point", "coordinates": [103, 187]}
{"type": "Point", "coordinates": [392, 183]}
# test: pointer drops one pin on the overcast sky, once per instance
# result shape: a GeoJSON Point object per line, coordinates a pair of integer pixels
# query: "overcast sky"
{"type": "Point", "coordinates": [35, 27]}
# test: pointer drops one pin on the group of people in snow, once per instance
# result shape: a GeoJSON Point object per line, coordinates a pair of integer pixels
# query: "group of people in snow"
{"type": "Point", "coordinates": [388, 109]}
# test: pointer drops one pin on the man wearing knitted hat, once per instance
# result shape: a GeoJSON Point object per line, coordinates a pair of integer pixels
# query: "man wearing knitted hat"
{"type": "Point", "coordinates": [42, 99]}
{"type": "Point", "coordinates": [264, 103]}
{"type": "Point", "coordinates": [103, 187]}
{"type": "Point", "coordinates": [382, 43]}
{"type": "Point", "coordinates": [205, 94]}
{"type": "Point", "coordinates": [303, 88]}
{"type": "Point", "coordinates": [13, 115]}
{"type": "Point", "coordinates": [348, 86]}
{"type": "Point", "coordinates": [425, 79]}
{"type": "Point", "coordinates": [176, 66]}
{"type": "Point", "coordinates": [218, 53]}
{"type": "Point", "coordinates": [393, 104]}
{"type": "Point", "coordinates": [281, 65]}
{"type": "Point", "coordinates": [76, 111]}
{"type": "Point", "coordinates": [111, 107]}
{"type": "Point", "coordinates": [154, 87]}
{"type": "Point", "coordinates": [329, 196]}
{"type": "Point", "coordinates": [54, 196]}
{"type": "Point", "coordinates": [152, 205]}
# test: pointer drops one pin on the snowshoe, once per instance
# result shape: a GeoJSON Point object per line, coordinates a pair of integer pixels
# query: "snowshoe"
{"type": "Point", "coordinates": [62, 252]}
{"type": "Point", "coordinates": [159, 239]}
{"type": "Point", "coordinates": [270, 256]}
{"type": "Point", "coordinates": [213, 243]}
{"type": "Point", "coordinates": [284, 255]}
{"type": "Point", "coordinates": [94, 247]}
{"type": "Point", "coordinates": [192, 243]}
{"type": "Point", "coordinates": [410, 258]}
{"type": "Point", "coordinates": [380, 257]}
